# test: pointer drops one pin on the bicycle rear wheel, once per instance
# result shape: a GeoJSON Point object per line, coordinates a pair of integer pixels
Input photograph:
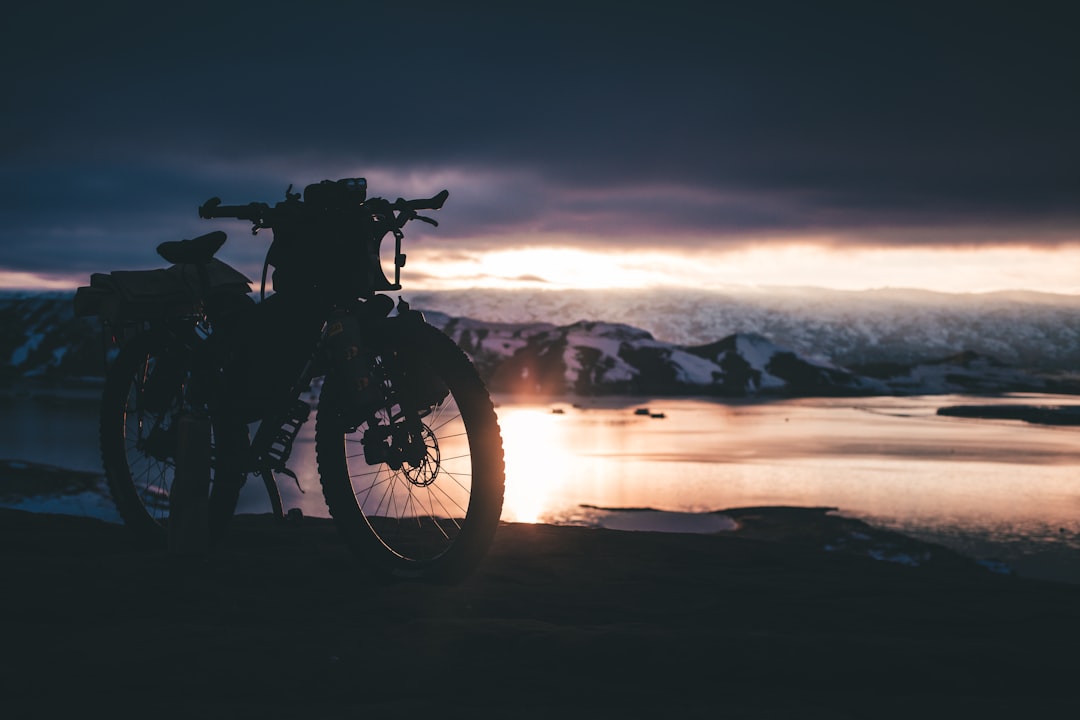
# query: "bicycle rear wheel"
{"type": "Point", "coordinates": [141, 403]}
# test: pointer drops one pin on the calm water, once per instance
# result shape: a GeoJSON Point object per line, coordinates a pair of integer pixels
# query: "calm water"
{"type": "Point", "coordinates": [993, 489]}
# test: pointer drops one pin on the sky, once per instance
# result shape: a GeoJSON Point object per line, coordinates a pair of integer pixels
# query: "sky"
{"type": "Point", "coordinates": [584, 144]}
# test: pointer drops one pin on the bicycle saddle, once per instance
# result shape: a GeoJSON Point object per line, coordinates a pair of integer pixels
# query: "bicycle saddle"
{"type": "Point", "coordinates": [197, 251]}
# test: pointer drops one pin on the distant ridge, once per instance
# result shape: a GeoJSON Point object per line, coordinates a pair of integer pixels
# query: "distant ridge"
{"type": "Point", "coordinates": [43, 341]}
{"type": "Point", "coordinates": [590, 358]}
{"type": "Point", "coordinates": [1034, 331]}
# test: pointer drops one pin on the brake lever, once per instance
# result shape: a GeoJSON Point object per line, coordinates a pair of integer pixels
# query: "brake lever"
{"type": "Point", "coordinates": [429, 221]}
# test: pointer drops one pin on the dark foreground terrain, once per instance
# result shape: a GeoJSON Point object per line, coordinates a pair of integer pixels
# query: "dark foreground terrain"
{"type": "Point", "coordinates": [558, 622]}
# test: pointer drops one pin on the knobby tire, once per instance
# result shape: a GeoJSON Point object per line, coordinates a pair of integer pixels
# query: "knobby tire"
{"type": "Point", "coordinates": [430, 519]}
{"type": "Point", "coordinates": [140, 469]}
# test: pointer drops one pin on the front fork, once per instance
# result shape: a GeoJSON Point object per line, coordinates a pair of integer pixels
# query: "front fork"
{"type": "Point", "coordinates": [396, 434]}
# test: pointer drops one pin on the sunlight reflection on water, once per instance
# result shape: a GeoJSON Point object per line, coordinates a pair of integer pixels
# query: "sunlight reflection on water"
{"type": "Point", "coordinates": [994, 487]}
{"type": "Point", "coordinates": [985, 486]}
{"type": "Point", "coordinates": [885, 456]}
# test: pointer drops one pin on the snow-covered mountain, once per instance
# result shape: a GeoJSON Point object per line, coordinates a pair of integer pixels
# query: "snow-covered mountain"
{"type": "Point", "coordinates": [42, 339]}
{"type": "Point", "coordinates": [1035, 331]}
{"type": "Point", "coordinates": [588, 358]}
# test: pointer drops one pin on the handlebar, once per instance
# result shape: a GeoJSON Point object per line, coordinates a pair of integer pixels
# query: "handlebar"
{"type": "Point", "coordinates": [261, 214]}
{"type": "Point", "coordinates": [432, 203]}
{"type": "Point", "coordinates": [332, 206]}
{"type": "Point", "coordinates": [213, 208]}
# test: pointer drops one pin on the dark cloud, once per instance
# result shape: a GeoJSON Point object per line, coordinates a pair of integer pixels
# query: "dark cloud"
{"type": "Point", "coordinates": [614, 121]}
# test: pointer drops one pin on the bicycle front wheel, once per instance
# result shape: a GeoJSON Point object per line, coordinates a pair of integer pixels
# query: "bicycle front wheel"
{"type": "Point", "coordinates": [417, 489]}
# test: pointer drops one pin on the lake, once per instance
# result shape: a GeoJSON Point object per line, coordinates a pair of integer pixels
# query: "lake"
{"type": "Point", "coordinates": [993, 489]}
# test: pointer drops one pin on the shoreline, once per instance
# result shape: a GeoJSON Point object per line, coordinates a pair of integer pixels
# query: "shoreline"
{"type": "Point", "coordinates": [1057, 415]}
{"type": "Point", "coordinates": [41, 488]}
{"type": "Point", "coordinates": [90, 388]}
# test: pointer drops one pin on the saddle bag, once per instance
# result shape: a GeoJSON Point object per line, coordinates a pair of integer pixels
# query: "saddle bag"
{"type": "Point", "coordinates": [125, 296]}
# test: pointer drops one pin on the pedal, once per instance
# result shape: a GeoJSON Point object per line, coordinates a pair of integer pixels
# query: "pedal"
{"type": "Point", "coordinates": [274, 454]}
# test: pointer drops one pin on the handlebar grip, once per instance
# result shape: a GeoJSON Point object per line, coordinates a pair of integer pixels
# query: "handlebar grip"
{"type": "Point", "coordinates": [432, 203]}
{"type": "Point", "coordinates": [213, 208]}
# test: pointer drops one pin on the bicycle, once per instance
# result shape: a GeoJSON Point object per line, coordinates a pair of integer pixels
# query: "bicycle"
{"type": "Point", "coordinates": [408, 446]}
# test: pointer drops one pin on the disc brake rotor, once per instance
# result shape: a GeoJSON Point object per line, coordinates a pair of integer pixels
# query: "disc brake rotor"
{"type": "Point", "coordinates": [422, 458]}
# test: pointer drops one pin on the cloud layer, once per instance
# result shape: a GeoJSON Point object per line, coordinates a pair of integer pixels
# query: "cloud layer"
{"type": "Point", "coordinates": [609, 124]}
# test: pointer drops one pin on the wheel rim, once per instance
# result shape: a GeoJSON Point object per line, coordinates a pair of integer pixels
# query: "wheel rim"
{"type": "Point", "coordinates": [147, 438]}
{"type": "Point", "coordinates": [413, 485]}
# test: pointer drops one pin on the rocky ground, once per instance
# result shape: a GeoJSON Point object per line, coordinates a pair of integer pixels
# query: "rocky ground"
{"type": "Point", "coordinates": [797, 613]}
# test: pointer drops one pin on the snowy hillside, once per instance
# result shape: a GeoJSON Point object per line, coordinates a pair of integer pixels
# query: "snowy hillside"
{"type": "Point", "coordinates": [40, 337]}
{"type": "Point", "coordinates": [606, 358]}
{"type": "Point", "coordinates": [1023, 329]}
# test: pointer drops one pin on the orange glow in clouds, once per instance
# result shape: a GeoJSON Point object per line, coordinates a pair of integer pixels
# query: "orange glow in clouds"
{"type": "Point", "coordinates": [437, 265]}
{"type": "Point", "coordinates": [766, 264]}
{"type": "Point", "coordinates": [13, 280]}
